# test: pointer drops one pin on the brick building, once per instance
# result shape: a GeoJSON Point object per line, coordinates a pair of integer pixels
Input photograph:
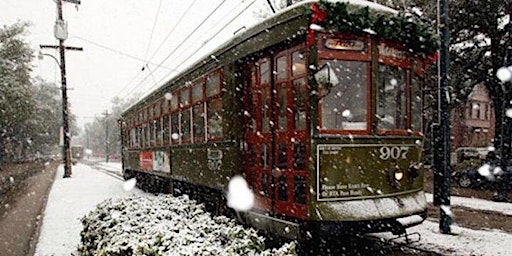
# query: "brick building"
{"type": "Point", "coordinates": [473, 121]}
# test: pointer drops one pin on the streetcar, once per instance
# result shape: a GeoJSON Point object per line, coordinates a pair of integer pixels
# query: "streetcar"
{"type": "Point", "coordinates": [77, 153]}
{"type": "Point", "coordinates": [318, 107]}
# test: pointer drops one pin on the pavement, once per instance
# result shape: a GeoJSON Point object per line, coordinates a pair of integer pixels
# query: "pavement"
{"type": "Point", "coordinates": [22, 209]}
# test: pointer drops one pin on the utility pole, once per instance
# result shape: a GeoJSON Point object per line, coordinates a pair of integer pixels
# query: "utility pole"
{"type": "Point", "coordinates": [442, 134]}
{"type": "Point", "coordinates": [61, 34]}
{"type": "Point", "coordinates": [106, 114]}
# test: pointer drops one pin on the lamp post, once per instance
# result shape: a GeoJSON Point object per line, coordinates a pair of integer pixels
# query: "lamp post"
{"type": "Point", "coordinates": [66, 151]}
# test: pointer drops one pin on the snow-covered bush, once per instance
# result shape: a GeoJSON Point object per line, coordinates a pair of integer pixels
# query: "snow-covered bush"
{"type": "Point", "coordinates": [166, 225]}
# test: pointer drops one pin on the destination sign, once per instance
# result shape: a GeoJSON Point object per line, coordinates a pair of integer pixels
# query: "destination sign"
{"type": "Point", "coordinates": [391, 52]}
{"type": "Point", "coordinates": [344, 44]}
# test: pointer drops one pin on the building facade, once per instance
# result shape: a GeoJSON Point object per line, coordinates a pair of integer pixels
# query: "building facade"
{"type": "Point", "coordinates": [473, 121]}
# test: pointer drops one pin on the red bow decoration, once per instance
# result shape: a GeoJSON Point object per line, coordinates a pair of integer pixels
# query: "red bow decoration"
{"type": "Point", "coordinates": [318, 16]}
{"type": "Point", "coordinates": [431, 59]}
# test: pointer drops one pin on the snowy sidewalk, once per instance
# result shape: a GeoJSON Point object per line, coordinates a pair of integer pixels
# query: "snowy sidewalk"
{"type": "Point", "coordinates": [69, 200]}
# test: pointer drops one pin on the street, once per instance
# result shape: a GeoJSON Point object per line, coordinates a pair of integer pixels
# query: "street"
{"type": "Point", "coordinates": [22, 206]}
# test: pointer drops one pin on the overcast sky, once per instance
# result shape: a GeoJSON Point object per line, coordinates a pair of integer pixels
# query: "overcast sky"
{"type": "Point", "coordinates": [118, 41]}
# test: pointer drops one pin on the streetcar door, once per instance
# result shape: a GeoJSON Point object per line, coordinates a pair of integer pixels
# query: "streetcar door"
{"type": "Point", "coordinates": [276, 133]}
{"type": "Point", "coordinates": [290, 133]}
{"type": "Point", "coordinates": [258, 137]}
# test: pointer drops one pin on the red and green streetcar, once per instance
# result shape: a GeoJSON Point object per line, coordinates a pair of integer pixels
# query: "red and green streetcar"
{"type": "Point", "coordinates": [318, 107]}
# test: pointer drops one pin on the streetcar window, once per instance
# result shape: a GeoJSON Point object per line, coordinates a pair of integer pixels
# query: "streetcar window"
{"type": "Point", "coordinates": [159, 132]}
{"type": "Point", "coordinates": [140, 134]}
{"type": "Point", "coordinates": [300, 93]}
{"type": "Point", "coordinates": [265, 156]}
{"type": "Point", "coordinates": [299, 189]}
{"type": "Point", "coordinates": [197, 92]}
{"type": "Point", "coordinates": [212, 84]}
{"type": "Point", "coordinates": [281, 157]}
{"type": "Point", "coordinates": [283, 188]}
{"type": "Point", "coordinates": [252, 113]}
{"type": "Point", "coordinates": [283, 106]}
{"type": "Point", "coordinates": [299, 156]}
{"type": "Point", "coordinates": [282, 68]}
{"type": "Point", "coordinates": [157, 109]}
{"type": "Point", "coordinates": [264, 184]}
{"type": "Point", "coordinates": [165, 106]}
{"type": "Point", "coordinates": [184, 97]}
{"type": "Point", "coordinates": [251, 153]}
{"type": "Point", "coordinates": [265, 109]}
{"type": "Point", "coordinates": [154, 130]}
{"type": "Point", "coordinates": [175, 127]}
{"type": "Point", "coordinates": [344, 106]}
{"type": "Point", "coordinates": [214, 118]}
{"type": "Point", "coordinates": [298, 64]}
{"type": "Point", "coordinates": [391, 108]}
{"type": "Point", "coordinates": [185, 125]}
{"type": "Point", "coordinates": [198, 124]}
{"type": "Point", "coordinates": [165, 129]}
{"type": "Point", "coordinates": [133, 138]}
{"type": "Point", "coordinates": [148, 134]}
{"type": "Point", "coordinates": [416, 106]}
{"type": "Point", "coordinates": [174, 102]}
{"type": "Point", "coordinates": [264, 72]}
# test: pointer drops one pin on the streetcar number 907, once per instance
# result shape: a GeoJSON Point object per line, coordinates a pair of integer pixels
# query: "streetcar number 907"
{"type": "Point", "coordinates": [393, 152]}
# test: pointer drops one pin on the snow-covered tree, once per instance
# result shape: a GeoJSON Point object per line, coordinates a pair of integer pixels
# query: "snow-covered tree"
{"type": "Point", "coordinates": [16, 103]}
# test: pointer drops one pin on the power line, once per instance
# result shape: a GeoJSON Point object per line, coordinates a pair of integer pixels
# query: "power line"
{"type": "Point", "coordinates": [117, 51]}
{"type": "Point", "coordinates": [209, 39]}
{"type": "Point", "coordinates": [182, 42]}
{"type": "Point", "coordinates": [217, 23]}
{"type": "Point", "coordinates": [193, 31]}
{"type": "Point", "coordinates": [153, 29]}
{"type": "Point", "coordinates": [172, 30]}
{"type": "Point", "coordinates": [129, 83]}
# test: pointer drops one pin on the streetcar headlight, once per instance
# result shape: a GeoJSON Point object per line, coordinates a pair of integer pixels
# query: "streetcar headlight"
{"type": "Point", "coordinates": [399, 174]}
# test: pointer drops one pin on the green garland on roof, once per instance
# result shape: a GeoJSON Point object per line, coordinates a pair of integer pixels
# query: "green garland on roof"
{"type": "Point", "coordinates": [404, 27]}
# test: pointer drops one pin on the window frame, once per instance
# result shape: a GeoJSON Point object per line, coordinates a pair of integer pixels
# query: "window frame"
{"type": "Point", "coordinates": [406, 65]}
{"type": "Point", "coordinates": [364, 55]}
{"type": "Point", "coordinates": [208, 99]}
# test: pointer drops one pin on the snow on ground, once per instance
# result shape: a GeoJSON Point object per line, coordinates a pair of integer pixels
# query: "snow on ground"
{"type": "Point", "coordinates": [70, 199]}
{"type": "Point", "coordinates": [478, 204]}
{"type": "Point", "coordinates": [465, 242]}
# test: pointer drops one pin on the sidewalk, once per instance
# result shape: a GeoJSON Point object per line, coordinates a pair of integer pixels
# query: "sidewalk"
{"type": "Point", "coordinates": [69, 200]}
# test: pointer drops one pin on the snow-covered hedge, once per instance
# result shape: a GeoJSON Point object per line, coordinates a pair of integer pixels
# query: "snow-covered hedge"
{"type": "Point", "coordinates": [166, 225]}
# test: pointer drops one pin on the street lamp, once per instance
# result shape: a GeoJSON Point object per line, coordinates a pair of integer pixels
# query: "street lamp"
{"type": "Point", "coordinates": [66, 152]}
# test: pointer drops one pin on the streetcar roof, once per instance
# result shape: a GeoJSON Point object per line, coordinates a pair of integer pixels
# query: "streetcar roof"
{"type": "Point", "coordinates": [295, 11]}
